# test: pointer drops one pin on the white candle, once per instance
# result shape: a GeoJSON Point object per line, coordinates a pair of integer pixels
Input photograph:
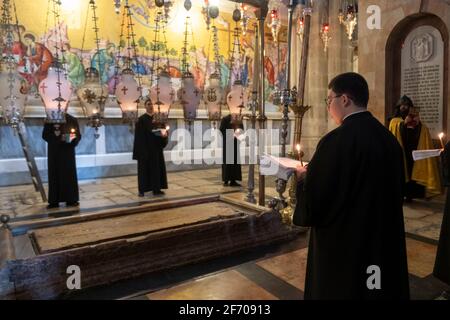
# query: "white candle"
{"type": "Point", "coordinates": [299, 148]}
{"type": "Point", "coordinates": [441, 135]}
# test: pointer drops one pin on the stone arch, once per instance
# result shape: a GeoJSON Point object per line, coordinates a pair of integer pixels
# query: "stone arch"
{"type": "Point", "coordinates": [394, 45]}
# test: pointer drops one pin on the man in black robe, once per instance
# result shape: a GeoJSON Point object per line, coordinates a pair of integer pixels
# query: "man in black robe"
{"type": "Point", "coordinates": [231, 168]}
{"type": "Point", "coordinates": [62, 170]}
{"type": "Point", "coordinates": [442, 263]}
{"type": "Point", "coordinates": [351, 194]}
{"type": "Point", "coordinates": [149, 142]}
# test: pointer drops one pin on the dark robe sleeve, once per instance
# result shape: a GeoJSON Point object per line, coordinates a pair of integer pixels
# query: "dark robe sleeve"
{"type": "Point", "coordinates": [319, 195]}
{"type": "Point", "coordinates": [48, 134]}
{"type": "Point", "coordinates": [138, 140]}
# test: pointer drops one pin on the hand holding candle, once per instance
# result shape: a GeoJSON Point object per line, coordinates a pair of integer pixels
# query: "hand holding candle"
{"type": "Point", "coordinates": [72, 135]}
{"type": "Point", "coordinates": [441, 135]}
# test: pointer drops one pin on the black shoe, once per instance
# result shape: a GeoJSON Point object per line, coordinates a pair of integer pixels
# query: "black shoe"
{"type": "Point", "coordinates": [72, 204]}
{"type": "Point", "coordinates": [158, 193]}
{"type": "Point", "coordinates": [234, 184]}
{"type": "Point", "coordinates": [225, 184]}
{"type": "Point", "coordinates": [53, 206]}
{"type": "Point", "coordinates": [141, 195]}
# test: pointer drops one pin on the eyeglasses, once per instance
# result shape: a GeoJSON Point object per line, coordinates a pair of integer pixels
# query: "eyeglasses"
{"type": "Point", "coordinates": [328, 100]}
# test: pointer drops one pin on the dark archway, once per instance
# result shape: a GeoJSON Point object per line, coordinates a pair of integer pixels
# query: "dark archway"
{"type": "Point", "coordinates": [394, 53]}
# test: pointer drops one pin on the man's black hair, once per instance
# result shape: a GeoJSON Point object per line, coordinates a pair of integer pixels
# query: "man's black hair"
{"type": "Point", "coordinates": [354, 86]}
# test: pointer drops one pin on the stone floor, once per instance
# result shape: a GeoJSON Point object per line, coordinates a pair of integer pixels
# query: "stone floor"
{"type": "Point", "coordinates": [23, 203]}
{"type": "Point", "coordinates": [276, 272]}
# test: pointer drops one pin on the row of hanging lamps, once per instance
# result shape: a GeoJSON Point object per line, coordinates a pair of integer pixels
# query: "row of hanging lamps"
{"type": "Point", "coordinates": [214, 93]}
{"type": "Point", "coordinates": [162, 94]}
{"type": "Point", "coordinates": [93, 94]}
{"type": "Point", "coordinates": [188, 95]}
{"type": "Point", "coordinates": [13, 87]}
{"type": "Point", "coordinates": [56, 90]}
{"type": "Point", "coordinates": [236, 98]}
{"type": "Point", "coordinates": [128, 91]}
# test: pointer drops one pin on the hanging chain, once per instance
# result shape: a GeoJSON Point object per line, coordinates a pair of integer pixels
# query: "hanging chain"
{"type": "Point", "coordinates": [119, 50]}
{"type": "Point", "coordinates": [236, 50]}
{"type": "Point", "coordinates": [97, 39]}
{"type": "Point", "coordinates": [10, 63]}
{"type": "Point", "coordinates": [56, 4]}
{"type": "Point", "coordinates": [155, 51]}
{"type": "Point", "coordinates": [216, 51]}
{"type": "Point", "coordinates": [184, 59]}
{"type": "Point", "coordinates": [132, 45]}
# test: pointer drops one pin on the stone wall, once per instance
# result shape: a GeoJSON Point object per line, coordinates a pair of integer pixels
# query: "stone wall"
{"type": "Point", "coordinates": [372, 43]}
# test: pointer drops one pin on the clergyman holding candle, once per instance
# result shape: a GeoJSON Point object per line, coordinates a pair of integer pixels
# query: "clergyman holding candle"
{"type": "Point", "coordinates": [62, 139]}
{"type": "Point", "coordinates": [351, 195]}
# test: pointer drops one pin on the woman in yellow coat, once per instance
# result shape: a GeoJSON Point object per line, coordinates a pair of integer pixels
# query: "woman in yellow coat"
{"type": "Point", "coordinates": [422, 177]}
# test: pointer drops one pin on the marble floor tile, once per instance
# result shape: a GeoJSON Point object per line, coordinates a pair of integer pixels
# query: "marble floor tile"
{"type": "Point", "coordinates": [291, 267]}
{"type": "Point", "coordinates": [435, 219]}
{"type": "Point", "coordinates": [107, 193]}
{"type": "Point", "coordinates": [413, 225]}
{"type": "Point", "coordinates": [416, 213]}
{"type": "Point", "coordinates": [421, 257]}
{"type": "Point", "coordinates": [87, 204]}
{"type": "Point", "coordinates": [98, 187]}
{"type": "Point", "coordinates": [432, 232]}
{"type": "Point", "coordinates": [228, 285]}
{"type": "Point", "coordinates": [194, 183]}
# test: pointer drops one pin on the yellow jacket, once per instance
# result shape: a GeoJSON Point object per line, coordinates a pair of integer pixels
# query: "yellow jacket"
{"type": "Point", "coordinates": [425, 172]}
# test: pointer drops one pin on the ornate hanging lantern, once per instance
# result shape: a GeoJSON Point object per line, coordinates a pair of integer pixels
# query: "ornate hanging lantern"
{"type": "Point", "coordinates": [13, 93]}
{"type": "Point", "coordinates": [162, 94]}
{"type": "Point", "coordinates": [214, 93]}
{"type": "Point", "coordinates": [13, 87]}
{"type": "Point", "coordinates": [348, 17]}
{"type": "Point", "coordinates": [56, 90]}
{"type": "Point", "coordinates": [274, 23]}
{"type": "Point", "coordinates": [93, 93]}
{"type": "Point", "coordinates": [300, 25]}
{"type": "Point", "coordinates": [236, 98]}
{"type": "Point", "coordinates": [128, 93]}
{"type": "Point", "coordinates": [189, 95]}
{"type": "Point", "coordinates": [127, 89]}
{"type": "Point", "coordinates": [325, 35]}
{"type": "Point", "coordinates": [245, 18]}
{"type": "Point", "coordinates": [117, 5]}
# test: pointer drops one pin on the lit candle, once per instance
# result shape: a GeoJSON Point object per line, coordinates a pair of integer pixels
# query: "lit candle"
{"type": "Point", "coordinates": [167, 128]}
{"type": "Point", "coordinates": [72, 134]}
{"type": "Point", "coordinates": [299, 148]}
{"type": "Point", "coordinates": [441, 135]}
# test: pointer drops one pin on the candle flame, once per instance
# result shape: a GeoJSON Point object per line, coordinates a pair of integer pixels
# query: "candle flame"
{"type": "Point", "coordinates": [441, 135]}
{"type": "Point", "coordinates": [298, 148]}
{"type": "Point", "coordinates": [167, 128]}
{"type": "Point", "coordinates": [73, 130]}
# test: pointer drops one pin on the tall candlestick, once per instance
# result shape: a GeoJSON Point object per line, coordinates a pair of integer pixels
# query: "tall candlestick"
{"type": "Point", "coordinates": [441, 135]}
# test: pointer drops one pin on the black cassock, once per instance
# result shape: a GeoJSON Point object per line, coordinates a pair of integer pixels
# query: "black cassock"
{"type": "Point", "coordinates": [442, 264]}
{"type": "Point", "coordinates": [231, 169]}
{"type": "Point", "coordinates": [62, 169]}
{"type": "Point", "coordinates": [352, 199]}
{"type": "Point", "coordinates": [148, 151]}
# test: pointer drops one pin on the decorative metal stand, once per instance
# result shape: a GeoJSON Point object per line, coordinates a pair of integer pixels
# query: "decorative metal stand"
{"type": "Point", "coordinates": [293, 99]}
